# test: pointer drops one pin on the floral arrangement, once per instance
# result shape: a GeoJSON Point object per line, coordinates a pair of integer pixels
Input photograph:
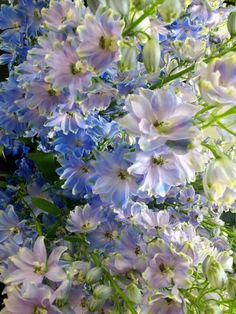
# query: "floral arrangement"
{"type": "Point", "coordinates": [118, 156]}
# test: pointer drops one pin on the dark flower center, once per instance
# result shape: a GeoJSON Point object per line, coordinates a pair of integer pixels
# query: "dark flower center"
{"type": "Point", "coordinates": [137, 250]}
{"type": "Point", "coordinates": [109, 235]}
{"type": "Point", "coordinates": [39, 268]}
{"type": "Point", "coordinates": [107, 43]}
{"type": "Point", "coordinates": [123, 174]}
{"type": "Point", "coordinates": [40, 310]}
{"type": "Point", "coordinates": [52, 92]}
{"type": "Point", "coordinates": [159, 161]}
{"type": "Point", "coordinates": [14, 230]}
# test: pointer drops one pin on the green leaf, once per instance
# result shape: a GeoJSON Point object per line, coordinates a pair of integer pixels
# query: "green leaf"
{"type": "Point", "coordinates": [52, 231]}
{"type": "Point", "coordinates": [1, 150]}
{"type": "Point", "coordinates": [71, 238]}
{"type": "Point", "coordinates": [47, 164]}
{"type": "Point", "coordinates": [46, 206]}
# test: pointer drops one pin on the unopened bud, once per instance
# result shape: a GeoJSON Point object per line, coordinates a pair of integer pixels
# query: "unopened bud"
{"type": "Point", "coordinates": [93, 275]}
{"type": "Point", "coordinates": [128, 58]}
{"type": "Point", "coordinates": [214, 272]}
{"type": "Point", "coordinates": [102, 292]}
{"type": "Point", "coordinates": [134, 294]}
{"type": "Point", "coordinates": [93, 5]}
{"type": "Point", "coordinates": [120, 6]}
{"type": "Point", "coordinates": [231, 287]}
{"type": "Point", "coordinates": [231, 23]}
{"type": "Point", "coordinates": [170, 10]}
{"type": "Point", "coordinates": [152, 55]}
{"type": "Point", "coordinates": [95, 304]}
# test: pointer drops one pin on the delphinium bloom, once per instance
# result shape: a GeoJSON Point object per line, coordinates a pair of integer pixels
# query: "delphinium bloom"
{"type": "Point", "coordinates": [130, 253]}
{"type": "Point", "coordinates": [66, 118]}
{"type": "Point", "coordinates": [10, 226]}
{"type": "Point", "coordinates": [67, 70]}
{"type": "Point", "coordinates": [99, 38]}
{"type": "Point", "coordinates": [159, 169]}
{"type": "Point", "coordinates": [77, 143]}
{"type": "Point", "coordinates": [33, 265]}
{"type": "Point", "coordinates": [31, 299]}
{"type": "Point", "coordinates": [76, 174]}
{"type": "Point", "coordinates": [84, 219]}
{"type": "Point", "coordinates": [218, 79]}
{"type": "Point", "coordinates": [43, 96]}
{"type": "Point", "coordinates": [113, 182]}
{"type": "Point", "coordinates": [168, 268]}
{"type": "Point", "coordinates": [63, 14]}
{"type": "Point", "coordinates": [158, 116]}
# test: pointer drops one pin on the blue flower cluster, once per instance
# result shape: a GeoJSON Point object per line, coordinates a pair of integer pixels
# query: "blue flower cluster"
{"type": "Point", "coordinates": [117, 157]}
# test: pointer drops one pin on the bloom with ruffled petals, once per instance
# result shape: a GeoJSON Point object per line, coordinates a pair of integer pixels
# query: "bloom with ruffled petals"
{"type": "Point", "coordinates": [33, 266]}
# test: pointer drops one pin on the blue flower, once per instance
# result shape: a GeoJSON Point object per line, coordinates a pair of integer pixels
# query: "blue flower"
{"type": "Point", "coordinates": [113, 182]}
{"type": "Point", "coordinates": [76, 174]}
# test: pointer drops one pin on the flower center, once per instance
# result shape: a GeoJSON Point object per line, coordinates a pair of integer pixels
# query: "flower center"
{"type": "Point", "coordinates": [14, 230]}
{"type": "Point", "coordinates": [108, 43]}
{"type": "Point", "coordinates": [40, 310]}
{"type": "Point", "coordinates": [123, 174]}
{"type": "Point", "coordinates": [86, 225]}
{"type": "Point", "coordinates": [52, 92]}
{"type": "Point", "coordinates": [159, 161]}
{"type": "Point", "coordinates": [40, 268]}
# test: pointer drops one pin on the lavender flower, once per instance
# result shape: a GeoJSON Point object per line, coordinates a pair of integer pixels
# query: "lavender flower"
{"type": "Point", "coordinates": [168, 269]}
{"type": "Point", "coordinates": [10, 226]}
{"type": "Point", "coordinates": [159, 170]}
{"type": "Point", "coordinates": [33, 266]}
{"type": "Point", "coordinates": [114, 183]}
{"type": "Point", "coordinates": [99, 38]}
{"type": "Point", "coordinates": [83, 219]}
{"type": "Point", "coordinates": [158, 116]}
{"type": "Point", "coordinates": [67, 70]}
{"type": "Point", "coordinates": [31, 300]}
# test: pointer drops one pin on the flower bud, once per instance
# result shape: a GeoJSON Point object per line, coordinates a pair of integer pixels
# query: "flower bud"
{"type": "Point", "coordinates": [170, 10]}
{"type": "Point", "coordinates": [120, 6]}
{"type": "Point", "coordinates": [134, 294]}
{"type": "Point", "coordinates": [231, 23]}
{"type": "Point", "coordinates": [231, 286]}
{"type": "Point", "coordinates": [152, 55]}
{"type": "Point", "coordinates": [95, 304]}
{"type": "Point", "coordinates": [128, 58]}
{"type": "Point", "coordinates": [102, 292]}
{"type": "Point", "coordinates": [214, 272]}
{"type": "Point", "coordinates": [219, 181]}
{"type": "Point", "coordinates": [93, 275]}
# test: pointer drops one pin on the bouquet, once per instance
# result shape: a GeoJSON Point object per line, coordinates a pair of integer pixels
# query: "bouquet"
{"type": "Point", "coordinates": [118, 156]}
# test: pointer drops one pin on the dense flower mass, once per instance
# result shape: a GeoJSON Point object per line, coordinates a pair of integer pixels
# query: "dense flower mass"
{"type": "Point", "coordinates": [117, 156]}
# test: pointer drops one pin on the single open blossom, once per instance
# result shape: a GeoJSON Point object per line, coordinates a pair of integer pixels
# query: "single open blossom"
{"type": "Point", "coordinates": [10, 226]}
{"type": "Point", "coordinates": [114, 183]}
{"type": "Point", "coordinates": [168, 269]}
{"type": "Point", "coordinates": [158, 116]}
{"type": "Point", "coordinates": [218, 80]}
{"type": "Point", "coordinates": [99, 37]}
{"type": "Point", "coordinates": [83, 219]}
{"type": "Point", "coordinates": [33, 265]}
{"type": "Point", "coordinates": [67, 70]}
{"type": "Point", "coordinates": [76, 174]}
{"type": "Point", "coordinates": [31, 299]}
{"type": "Point", "coordinates": [159, 170]}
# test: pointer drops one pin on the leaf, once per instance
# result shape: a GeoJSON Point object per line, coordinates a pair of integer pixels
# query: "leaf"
{"type": "Point", "coordinates": [47, 164]}
{"type": "Point", "coordinates": [1, 150]}
{"type": "Point", "coordinates": [46, 206]}
{"type": "Point", "coordinates": [52, 231]}
{"type": "Point", "coordinates": [71, 238]}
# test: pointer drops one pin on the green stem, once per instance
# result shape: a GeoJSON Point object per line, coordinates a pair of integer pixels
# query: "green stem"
{"type": "Point", "coordinates": [113, 283]}
{"type": "Point", "coordinates": [215, 151]}
{"type": "Point", "coordinates": [172, 77]}
{"type": "Point", "coordinates": [150, 9]}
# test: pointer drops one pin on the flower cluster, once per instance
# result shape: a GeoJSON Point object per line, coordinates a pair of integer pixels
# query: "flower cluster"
{"type": "Point", "coordinates": [117, 157]}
